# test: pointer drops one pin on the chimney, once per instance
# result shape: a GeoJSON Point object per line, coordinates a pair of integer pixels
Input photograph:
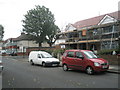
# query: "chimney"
{"type": "Point", "coordinates": [22, 33]}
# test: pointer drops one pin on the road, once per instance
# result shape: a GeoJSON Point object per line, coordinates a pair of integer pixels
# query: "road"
{"type": "Point", "coordinates": [20, 74]}
{"type": "Point", "coordinates": [0, 81]}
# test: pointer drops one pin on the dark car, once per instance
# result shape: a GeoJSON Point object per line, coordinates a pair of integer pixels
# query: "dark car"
{"type": "Point", "coordinates": [13, 54]}
{"type": "Point", "coordinates": [1, 66]}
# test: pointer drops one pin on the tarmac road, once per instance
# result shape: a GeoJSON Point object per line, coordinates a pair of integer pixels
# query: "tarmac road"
{"type": "Point", "coordinates": [0, 80]}
{"type": "Point", "coordinates": [20, 74]}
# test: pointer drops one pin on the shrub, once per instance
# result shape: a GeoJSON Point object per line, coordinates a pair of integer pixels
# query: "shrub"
{"type": "Point", "coordinates": [106, 52]}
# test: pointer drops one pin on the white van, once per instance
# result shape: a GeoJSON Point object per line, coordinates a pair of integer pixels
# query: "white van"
{"type": "Point", "coordinates": [42, 58]}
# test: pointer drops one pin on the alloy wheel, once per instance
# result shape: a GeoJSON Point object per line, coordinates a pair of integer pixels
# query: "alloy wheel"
{"type": "Point", "coordinates": [65, 67]}
{"type": "Point", "coordinates": [89, 70]}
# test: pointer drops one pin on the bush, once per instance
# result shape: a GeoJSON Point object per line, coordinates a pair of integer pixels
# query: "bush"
{"type": "Point", "coordinates": [108, 52]}
{"type": "Point", "coordinates": [58, 51]}
{"type": "Point", "coordinates": [55, 52]}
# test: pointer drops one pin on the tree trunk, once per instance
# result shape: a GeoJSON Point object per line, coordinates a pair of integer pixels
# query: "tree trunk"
{"type": "Point", "coordinates": [50, 45]}
{"type": "Point", "coordinates": [40, 46]}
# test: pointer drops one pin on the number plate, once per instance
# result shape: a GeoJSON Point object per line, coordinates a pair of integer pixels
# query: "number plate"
{"type": "Point", "coordinates": [104, 67]}
{"type": "Point", "coordinates": [54, 64]}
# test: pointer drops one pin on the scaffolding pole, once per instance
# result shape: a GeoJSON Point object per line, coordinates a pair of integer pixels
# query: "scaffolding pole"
{"type": "Point", "coordinates": [112, 37]}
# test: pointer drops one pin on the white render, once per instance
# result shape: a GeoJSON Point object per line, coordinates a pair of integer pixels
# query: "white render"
{"type": "Point", "coordinates": [25, 44]}
{"type": "Point", "coordinates": [59, 41]}
{"type": "Point", "coordinates": [107, 19]}
{"type": "Point", "coordinates": [70, 27]}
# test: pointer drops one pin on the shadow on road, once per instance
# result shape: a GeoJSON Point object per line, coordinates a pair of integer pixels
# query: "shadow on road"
{"type": "Point", "coordinates": [95, 74]}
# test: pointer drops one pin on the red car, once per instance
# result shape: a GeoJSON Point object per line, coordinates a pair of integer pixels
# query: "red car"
{"type": "Point", "coordinates": [84, 60]}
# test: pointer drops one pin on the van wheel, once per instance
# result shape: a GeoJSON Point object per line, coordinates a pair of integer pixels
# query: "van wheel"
{"type": "Point", "coordinates": [89, 70]}
{"type": "Point", "coordinates": [43, 64]}
{"type": "Point", "coordinates": [31, 62]}
{"type": "Point", "coordinates": [65, 67]}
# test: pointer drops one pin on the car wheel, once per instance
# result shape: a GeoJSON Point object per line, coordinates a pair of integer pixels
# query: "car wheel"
{"type": "Point", "coordinates": [89, 70]}
{"type": "Point", "coordinates": [2, 68]}
{"type": "Point", "coordinates": [58, 65]}
{"type": "Point", "coordinates": [43, 64]}
{"type": "Point", "coordinates": [31, 62]}
{"type": "Point", "coordinates": [65, 67]}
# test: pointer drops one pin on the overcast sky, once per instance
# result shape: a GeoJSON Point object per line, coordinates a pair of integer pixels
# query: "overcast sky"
{"type": "Point", "coordinates": [65, 11]}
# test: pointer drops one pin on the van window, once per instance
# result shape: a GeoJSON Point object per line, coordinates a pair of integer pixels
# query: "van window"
{"type": "Point", "coordinates": [70, 54]}
{"type": "Point", "coordinates": [46, 55]}
{"type": "Point", "coordinates": [39, 56]}
{"type": "Point", "coordinates": [79, 54]}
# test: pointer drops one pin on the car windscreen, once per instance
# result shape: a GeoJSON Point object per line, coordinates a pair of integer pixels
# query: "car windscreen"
{"type": "Point", "coordinates": [46, 55]}
{"type": "Point", "coordinates": [90, 54]}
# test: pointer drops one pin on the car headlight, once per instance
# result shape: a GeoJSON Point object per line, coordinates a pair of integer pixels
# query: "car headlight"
{"type": "Point", "coordinates": [96, 64]}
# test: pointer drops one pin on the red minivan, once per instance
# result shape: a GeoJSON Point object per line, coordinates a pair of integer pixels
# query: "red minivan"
{"type": "Point", "coordinates": [84, 60]}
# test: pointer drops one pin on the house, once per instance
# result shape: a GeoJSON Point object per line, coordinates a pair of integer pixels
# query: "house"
{"type": "Point", "coordinates": [1, 47]}
{"type": "Point", "coordinates": [23, 42]}
{"type": "Point", "coordinates": [21, 45]}
{"type": "Point", "coordinates": [97, 33]}
{"type": "Point", "coordinates": [10, 46]}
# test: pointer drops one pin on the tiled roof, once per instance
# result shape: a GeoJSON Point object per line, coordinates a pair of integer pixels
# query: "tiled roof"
{"type": "Point", "coordinates": [23, 36]}
{"type": "Point", "coordinates": [95, 20]}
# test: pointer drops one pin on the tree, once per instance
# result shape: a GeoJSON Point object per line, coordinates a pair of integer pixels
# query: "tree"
{"type": "Point", "coordinates": [51, 37]}
{"type": "Point", "coordinates": [1, 32]}
{"type": "Point", "coordinates": [38, 23]}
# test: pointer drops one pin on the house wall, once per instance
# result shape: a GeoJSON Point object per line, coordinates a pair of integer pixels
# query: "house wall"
{"type": "Point", "coordinates": [25, 44]}
{"type": "Point", "coordinates": [59, 41]}
{"type": "Point", "coordinates": [45, 44]}
{"type": "Point", "coordinates": [101, 37]}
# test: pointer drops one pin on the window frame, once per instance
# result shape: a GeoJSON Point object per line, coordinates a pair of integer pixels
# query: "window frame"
{"type": "Point", "coordinates": [78, 57]}
{"type": "Point", "coordinates": [71, 56]}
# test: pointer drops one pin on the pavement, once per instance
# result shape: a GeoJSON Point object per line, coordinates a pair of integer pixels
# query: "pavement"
{"type": "Point", "coordinates": [112, 68]}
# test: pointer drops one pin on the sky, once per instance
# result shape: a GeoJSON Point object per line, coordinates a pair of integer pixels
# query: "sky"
{"type": "Point", "coordinates": [65, 11]}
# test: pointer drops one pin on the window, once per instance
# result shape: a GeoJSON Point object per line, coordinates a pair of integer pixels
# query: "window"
{"type": "Point", "coordinates": [80, 34]}
{"type": "Point", "coordinates": [107, 29]}
{"type": "Point", "coordinates": [79, 55]}
{"type": "Point", "coordinates": [90, 54]}
{"type": "Point", "coordinates": [39, 56]}
{"type": "Point", "coordinates": [70, 54]}
{"type": "Point", "coordinates": [65, 54]}
{"type": "Point", "coordinates": [46, 55]}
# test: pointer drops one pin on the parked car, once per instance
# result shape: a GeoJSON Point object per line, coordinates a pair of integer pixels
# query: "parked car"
{"type": "Point", "coordinates": [84, 60]}
{"type": "Point", "coordinates": [1, 66]}
{"type": "Point", "coordinates": [42, 58]}
{"type": "Point", "coordinates": [2, 52]}
{"type": "Point", "coordinates": [13, 54]}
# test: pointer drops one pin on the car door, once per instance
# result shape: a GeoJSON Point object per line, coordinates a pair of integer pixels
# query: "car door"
{"type": "Point", "coordinates": [39, 59]}
{"type": "Point", "coordinates": [79, 60]}
{"type": "Point", "coordinates": [70, 59]}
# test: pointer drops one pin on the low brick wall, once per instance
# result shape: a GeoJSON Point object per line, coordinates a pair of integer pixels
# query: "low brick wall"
{"type": "Point", "coordinates": [112, 59]}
